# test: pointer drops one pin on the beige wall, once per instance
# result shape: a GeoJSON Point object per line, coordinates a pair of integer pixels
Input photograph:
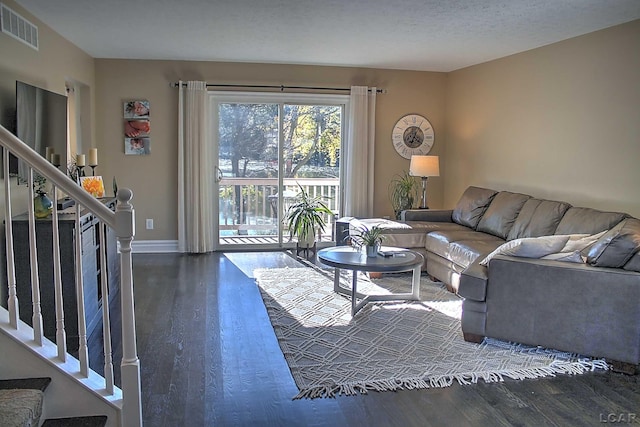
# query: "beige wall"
{"type": "Point", "coordinates": [153, 178]}
{"type": "Point", "coordinates": [559, 122]}
{"type": "Point", "coordinates": [56, 62]}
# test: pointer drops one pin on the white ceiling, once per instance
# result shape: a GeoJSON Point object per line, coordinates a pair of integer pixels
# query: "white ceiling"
{"type": "Point", "coordinates": [430, 35]}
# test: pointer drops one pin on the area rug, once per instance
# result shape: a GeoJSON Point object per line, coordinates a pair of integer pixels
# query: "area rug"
{"type": "Point", "coordinates": [390, 345]}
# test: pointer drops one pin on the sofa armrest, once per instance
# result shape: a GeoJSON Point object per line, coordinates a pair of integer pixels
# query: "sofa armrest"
{"type": "Point", "coordinates": [568, 306]}
{"type": "Point", "coordinates": [473, 281]}
{"type": "Point", "coordinates": [434, 215]}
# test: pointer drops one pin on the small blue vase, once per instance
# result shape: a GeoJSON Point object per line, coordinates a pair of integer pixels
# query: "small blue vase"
{"type": "Point", "coordinates": [42, 206]}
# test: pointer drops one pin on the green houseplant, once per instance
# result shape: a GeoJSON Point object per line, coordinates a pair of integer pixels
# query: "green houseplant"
{"type": "Point", "coordinates": [370, 238]}
{"type": "Point", "coordinates": [305, 216]}
{"type": "Point", "coordinates": [403, 190]}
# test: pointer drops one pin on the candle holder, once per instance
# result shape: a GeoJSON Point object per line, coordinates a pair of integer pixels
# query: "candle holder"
{"type": "Point", "coordinates": [93, 169]}
{"type": "Point", "coordinates": [80, 171]}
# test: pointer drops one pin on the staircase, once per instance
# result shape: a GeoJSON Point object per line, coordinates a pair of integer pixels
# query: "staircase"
{"type": "Point", "coordinates": [22, 400]}
{"type": "Point", "coordinates": [73, 393]}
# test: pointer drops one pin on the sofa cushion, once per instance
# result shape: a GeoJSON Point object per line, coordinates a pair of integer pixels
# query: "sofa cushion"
{"type": "Point", "coordinates": [538, 218]}
{"type": "Point", "coordinates": [472, 205]}
{"type": "Point", "coordinates": [416, 235]}
{"type": "Point", "coordinates": [529, 247]}
{"type": "Point", "coordinates": [616, 247]}
{"type": "Point", "coordinates": [409, 234]}
{"type": "Point", "coordinates": [587, 220]}
{"type": "Point", "coordinates": [439, 242]}
{"type": "Point", "coordinates": [465, 252]}
{"type": "Point", "coordinates": [502, 213]}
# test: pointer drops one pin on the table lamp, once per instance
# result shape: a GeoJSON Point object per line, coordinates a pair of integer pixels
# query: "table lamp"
{"type": "Point", "coordinates": [424, 167]}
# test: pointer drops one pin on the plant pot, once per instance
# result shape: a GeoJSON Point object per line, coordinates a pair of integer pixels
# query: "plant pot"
{"type": "Point", "coordinates": [42, 206]}
{"type": "Point", "coordinates": [372, 250]}
{"type": "Point", "coordinates": [307, 239]}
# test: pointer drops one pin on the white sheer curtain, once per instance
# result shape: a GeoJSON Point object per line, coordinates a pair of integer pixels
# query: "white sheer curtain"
{"type": "Point", "coordinates": [195, 170]}
{"type": "Point", "coordinates": [360, 152]}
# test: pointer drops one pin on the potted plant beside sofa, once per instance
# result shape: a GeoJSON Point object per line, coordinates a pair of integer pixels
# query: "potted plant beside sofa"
{"type": "Point", "coordinates": [306, 216]}
{"type": "Point", "coordinates": [403, 190]}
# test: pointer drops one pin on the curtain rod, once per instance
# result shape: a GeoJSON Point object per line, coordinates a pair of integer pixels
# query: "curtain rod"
{"type": "Point", "coordinates": [281, 87]}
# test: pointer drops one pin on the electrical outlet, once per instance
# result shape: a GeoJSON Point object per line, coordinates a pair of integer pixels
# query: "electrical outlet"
{"type": "Point", "coordinates": [149, 224]}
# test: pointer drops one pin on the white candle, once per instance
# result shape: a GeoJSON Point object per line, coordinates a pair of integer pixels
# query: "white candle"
{"type": "Point", "coordinates": [48, 152]}
{"type": "Point", "coordinates": [80, 160]}
{"type": "Point", "coordinates": [93, 157]}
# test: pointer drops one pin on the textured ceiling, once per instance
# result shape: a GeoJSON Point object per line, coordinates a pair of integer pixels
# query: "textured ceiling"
{"type": "Point", "coordinates": [430, 35]}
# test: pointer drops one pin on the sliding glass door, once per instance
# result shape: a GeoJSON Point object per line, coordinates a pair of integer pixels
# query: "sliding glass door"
{"type": "Point", "coordinates": [268, 147]}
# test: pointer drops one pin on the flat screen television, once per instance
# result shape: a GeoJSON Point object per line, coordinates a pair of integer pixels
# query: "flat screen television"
{"type": "Point", "coordinates": [41, 122]}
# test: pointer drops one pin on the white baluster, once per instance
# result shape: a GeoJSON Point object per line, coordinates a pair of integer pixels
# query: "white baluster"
{"type": "Point", "coordinates": [130, 366]}
{"type": "Point", "coordinates": [12, 302]}
{"type": "Point", "coordinates": [36, 317]}
{"type": "Point", "coordinates": [83, 354]}
{"type": "Point", "coordinates": [106, 323]}
{"type": "Point", "coordinates": [61, 335]}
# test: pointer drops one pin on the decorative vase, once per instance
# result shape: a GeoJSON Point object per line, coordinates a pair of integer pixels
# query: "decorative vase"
{"type": "Point", "coordinates": [42, 205]}
{"type": "Point", "coordinates": [372, 250]}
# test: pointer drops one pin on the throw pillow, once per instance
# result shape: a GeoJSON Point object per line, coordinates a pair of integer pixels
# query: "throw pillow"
{"type": "Point", "coordinates": [529, 247]}
{"type": "Point", "coordinates": [565, 257]}
{"type": "Point", "coordinates": [617, 245]}
{"type": "Point", "coordinates": [582, 242]}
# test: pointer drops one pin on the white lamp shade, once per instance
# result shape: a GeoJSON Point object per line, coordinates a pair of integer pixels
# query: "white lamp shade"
{"type": "Point", "coordinates": [424, 166]}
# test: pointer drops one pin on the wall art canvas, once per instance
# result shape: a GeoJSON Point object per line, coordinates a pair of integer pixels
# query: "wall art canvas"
{"type": "Point", "coordinates": [136, 110]}
{"type": "Point", "coordinates": [137, 146]}
{"type": "Point", "coordinates": [93, 185]}
{"type": "Point", "coordinates": [137, 127]}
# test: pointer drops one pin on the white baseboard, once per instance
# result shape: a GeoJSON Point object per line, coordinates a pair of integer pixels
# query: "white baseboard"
{"type": "Point", "coordinates": [154, 246]}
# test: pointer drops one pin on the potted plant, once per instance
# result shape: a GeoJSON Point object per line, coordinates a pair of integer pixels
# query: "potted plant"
{"type": "Point", "coordinates": [306, 216]}
{"type": "Point", "coordinates": [370, 238]}
{"type": "Point", "coordinates": [403, 190]}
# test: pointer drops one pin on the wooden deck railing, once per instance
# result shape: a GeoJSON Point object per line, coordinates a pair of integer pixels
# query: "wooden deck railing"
{"type": "Point", "coordinates": [251, 204]}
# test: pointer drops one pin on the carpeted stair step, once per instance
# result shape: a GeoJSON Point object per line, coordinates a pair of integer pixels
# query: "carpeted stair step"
{"type": "Point", "coordinates": [30, 383]}
{"type": "Point", "coordinates": [21, 401]}
{"type": "Point", "coordinates": [94, 421]}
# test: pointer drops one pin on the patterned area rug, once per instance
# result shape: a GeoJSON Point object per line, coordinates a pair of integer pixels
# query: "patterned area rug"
{"type": "Point", "coordinates": [390, 345]}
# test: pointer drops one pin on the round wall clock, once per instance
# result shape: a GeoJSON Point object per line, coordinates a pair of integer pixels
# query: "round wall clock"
{"type": "Point", "coordinates": [412, 135]}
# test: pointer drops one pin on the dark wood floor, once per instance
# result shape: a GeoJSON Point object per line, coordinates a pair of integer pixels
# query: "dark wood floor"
{"type": "Point", "coordinates": [209, 357]}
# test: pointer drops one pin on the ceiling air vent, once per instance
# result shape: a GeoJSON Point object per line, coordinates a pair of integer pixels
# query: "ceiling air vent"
{"type": "Point", "coordinates": [17, 27]}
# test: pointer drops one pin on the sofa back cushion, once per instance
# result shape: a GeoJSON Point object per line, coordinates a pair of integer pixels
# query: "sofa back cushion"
{"type": "Point", "coordinates": [616, 247]}
{"type": "Point", "coordinates": [502, 213]}
{"type": "Point", "coordinates": [587, 220]}
{"type": "Point", "coordinates": [472, 205]}
{"type": "Point", "coordinates": [538, 218]}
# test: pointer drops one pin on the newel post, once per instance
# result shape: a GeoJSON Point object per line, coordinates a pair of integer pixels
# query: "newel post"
{"type": "Point", "coordinates": [130, 366]}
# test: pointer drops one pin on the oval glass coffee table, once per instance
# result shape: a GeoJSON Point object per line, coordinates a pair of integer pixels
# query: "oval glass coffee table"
{"type": "Point", "coordinates": [346, 257]}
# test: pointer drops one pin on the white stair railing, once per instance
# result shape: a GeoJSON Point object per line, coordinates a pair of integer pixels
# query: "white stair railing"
{"type": "Point", "coordinates": [36, 318]}
{"type": "Point", "coordinates": [122, 222]}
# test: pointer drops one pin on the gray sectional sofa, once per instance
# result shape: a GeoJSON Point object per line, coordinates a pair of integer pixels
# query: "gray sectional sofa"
{"type": "Point", "coordinates": [534, 271]}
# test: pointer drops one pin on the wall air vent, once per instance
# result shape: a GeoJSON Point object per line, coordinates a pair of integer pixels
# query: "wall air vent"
{"type": "Point", "coordinates": [17, 27]}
